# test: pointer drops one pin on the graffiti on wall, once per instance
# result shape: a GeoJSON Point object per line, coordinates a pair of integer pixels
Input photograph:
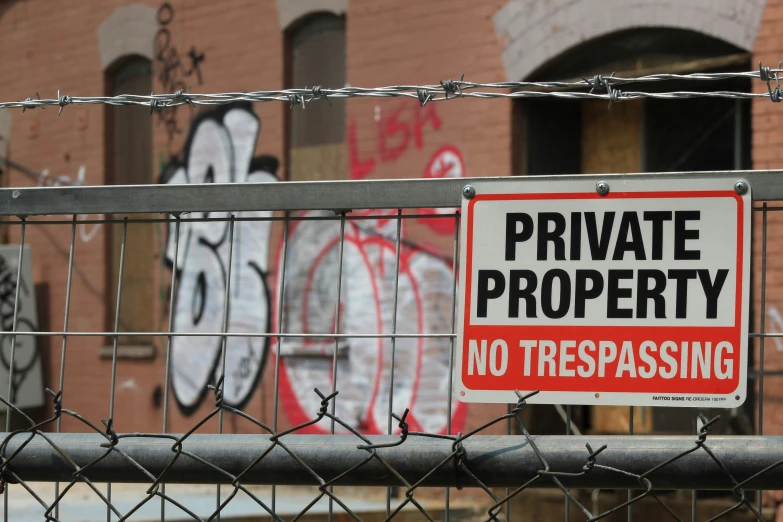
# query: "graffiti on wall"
{"type": "Point", "coordinates": [394, 134]}
{"type": "Point", "coordinates": [173, 69]}
{"type": "Point", "coordinates": [397, 133]}
{"type": "Point", "coordinates": [424, 300]}
{"type": "Point", "coordinates": [364, 368]}
{"type": "Point", "coordinates": [27, 384]}
{"type": "Point", "coordinates": [219, 149]}
{"type": "Point", "coordinates": [775, 326]}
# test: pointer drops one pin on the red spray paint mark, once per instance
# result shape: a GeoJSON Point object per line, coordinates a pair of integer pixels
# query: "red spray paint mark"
{"type": "Point", "coordinates": [360, 169]}
{"type": "Point", "coordinates": [361, 244]}
{"type": "Point", "coordinates": [393, 135]}
{"type": "Point", "coordinates": [447, 162]}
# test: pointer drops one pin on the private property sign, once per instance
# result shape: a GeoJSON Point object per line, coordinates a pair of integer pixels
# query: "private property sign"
{"type": "Point", "coordinates": [629, 292]}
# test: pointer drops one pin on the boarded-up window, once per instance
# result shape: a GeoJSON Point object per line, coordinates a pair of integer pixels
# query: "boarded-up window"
{"type": "Point", "coordinates": [317, 134]}
{"type": "Point", "coordinates": [568, 137]}
{"type": "Point", "coordinates": [129, 162]}
{"type": "Point", "coordinates": [131, 127]}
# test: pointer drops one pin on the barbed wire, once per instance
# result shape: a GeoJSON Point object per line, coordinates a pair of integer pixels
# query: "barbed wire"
{"type": "Point", "coordinates": [601, 88]}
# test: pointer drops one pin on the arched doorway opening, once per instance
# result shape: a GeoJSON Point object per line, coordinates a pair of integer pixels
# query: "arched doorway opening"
{"type": "Point", "coordinates": [568, 137]}
{"type": "Point", "coordinates": [557, 136]}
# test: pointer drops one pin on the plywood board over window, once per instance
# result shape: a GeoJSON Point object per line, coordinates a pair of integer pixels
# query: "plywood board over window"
{"type": "Point", "coordinates": [5, 145]}
{"type": "Point", "coordinates": [317, 134]}
{"type": "Point", "coordinates": [611, 140]}
{"type": "Point", "coordinates": [129, 162]}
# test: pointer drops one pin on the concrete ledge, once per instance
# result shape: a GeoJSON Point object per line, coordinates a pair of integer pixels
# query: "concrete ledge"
{"type": "Point", "coordinates": [291, 11]}
{"type": "Point", "coordinates": [535, 32]}
{"type": "Point", "coordinates": [129, 30]}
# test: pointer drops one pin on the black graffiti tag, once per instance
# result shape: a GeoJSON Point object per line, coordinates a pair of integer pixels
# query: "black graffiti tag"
{"type": "Point", "coordinates": [24, 358]}
{"type": "Point", "coordinates": [172, 68]}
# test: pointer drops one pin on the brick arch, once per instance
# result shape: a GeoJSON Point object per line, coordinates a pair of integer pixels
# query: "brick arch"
{"type": "Point", "coordinates": [536, 31]}
{"type": "Point", "coordinates": [129, 30]}
{"type": "Point", "coordinates": [291, 11]}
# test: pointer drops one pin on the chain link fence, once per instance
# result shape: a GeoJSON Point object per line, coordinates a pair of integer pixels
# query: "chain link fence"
{"type": "Point", "coordinates": [328, 297]}
{"type": "Point", "coordinates": [414, 462]}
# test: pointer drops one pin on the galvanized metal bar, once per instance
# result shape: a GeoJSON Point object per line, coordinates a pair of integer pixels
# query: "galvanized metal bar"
{"type": "Point", "coordinates": [450, 398]}
{"type": "Point", "coordinates": [224, 343]}
{"type": "Point", "coordinates": [630, 491]}
{"type": "Point", "coordinates": [497, 460]}
{"type": "Point", "coordinates": [115, 333]}
{"type": "Point", "coordinates": [281, 300]}
{"type": "Point", "coordinates": [338, 196]}
{"type": "Point", "coordinates": [337, 311]}
{"type": "Point", "coordinates": [115, 347]}
{"type": "Point", "coordinates": [695, 431]}
{"type": "Point", "coordinates": [12, 362]}
{"type": "Point", "coordinates": [389, 411]}
{"type": "Point", "coordinates": [507, 491]}
{"type": "Point", "coordinates": [763, 330]}
{"type": "Point", "coordinates": [566, 500]}
{"type": "Point", "coordinates": [61, 388]}
{"type": "Point", "coordinates": [167, 378]}
{"type": "Point", "coordinates": [37, 220]}
{"type": "Point", "coordinates": [737, 135]}
{"type": "Point", "coordinates": [243, 334]}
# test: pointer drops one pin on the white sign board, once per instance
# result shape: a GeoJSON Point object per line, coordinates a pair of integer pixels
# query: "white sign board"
{"type": "Point", "coordinates": [27, 388]}
{"type": "Point", "coordinates": [635, 297]}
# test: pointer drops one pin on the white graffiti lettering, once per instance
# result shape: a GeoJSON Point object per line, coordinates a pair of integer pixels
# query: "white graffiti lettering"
{"type": "Point", "coordinates": [424, 306]}
{"type": "Point", "coordinates": [220, 150]}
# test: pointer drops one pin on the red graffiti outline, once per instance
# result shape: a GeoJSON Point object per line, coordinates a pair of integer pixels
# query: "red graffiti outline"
{"type": "Point", "coordinates": [440, 226]}
{"type": "Point", "coordinates": [389, 127]}
{"type": "Point", "coordinates": [379, 318]}
{"type": "Point", "coordinates": [296, 414]}
{"type": "Point", "coordinates": [289, 399]}
{"type": "Point", "coordinates": [360, 169]}
{"type": "Point", "coordinates": [310, 276]}
{"type": "Point", "coordinates": [386, 247]}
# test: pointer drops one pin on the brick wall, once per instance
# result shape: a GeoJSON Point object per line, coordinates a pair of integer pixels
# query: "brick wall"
{"type": "Point", "coordinates": [767, 154]}
{"type": "Point", "coordinates": [404, 42]}
{"type": "Point", "coordinates": [50, 49]}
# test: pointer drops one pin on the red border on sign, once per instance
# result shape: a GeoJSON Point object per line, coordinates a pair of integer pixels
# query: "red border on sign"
{"type": "Point", "coordinates": [635, 334]}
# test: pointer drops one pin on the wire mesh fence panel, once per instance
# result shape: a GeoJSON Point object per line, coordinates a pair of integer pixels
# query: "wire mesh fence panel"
{"type": "Point", "coordinates": [286, 351]}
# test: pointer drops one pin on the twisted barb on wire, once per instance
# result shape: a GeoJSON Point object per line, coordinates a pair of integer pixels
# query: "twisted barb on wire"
{"type": "Point", "coordinates": [445, 90]}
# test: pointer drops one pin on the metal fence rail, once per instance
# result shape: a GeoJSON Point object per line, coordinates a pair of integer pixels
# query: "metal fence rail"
{"type": "Point", "coordinates": [276, 454]}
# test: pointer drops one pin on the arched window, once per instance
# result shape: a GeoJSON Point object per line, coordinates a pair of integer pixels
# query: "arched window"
{"type": "Point", "coordinates": [129, 162]}
{"type": "Point", "coordinates": [130, 127]}
{"type": "Point", "coordinates": [557, 137]}
{"type": "Point", "coordinates": [316, 57]}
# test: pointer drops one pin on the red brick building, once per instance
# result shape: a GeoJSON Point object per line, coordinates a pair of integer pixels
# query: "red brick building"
{"type": "Point", "coordinates": [94, 48]}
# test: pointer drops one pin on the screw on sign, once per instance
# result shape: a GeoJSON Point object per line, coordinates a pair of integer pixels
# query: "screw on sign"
{"type": "Point", "coordinates": [637, 296]}
{"type": "Point", "coordinates": [421, 365]}
{"type": "Point", "coordinates": [445, 163]}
